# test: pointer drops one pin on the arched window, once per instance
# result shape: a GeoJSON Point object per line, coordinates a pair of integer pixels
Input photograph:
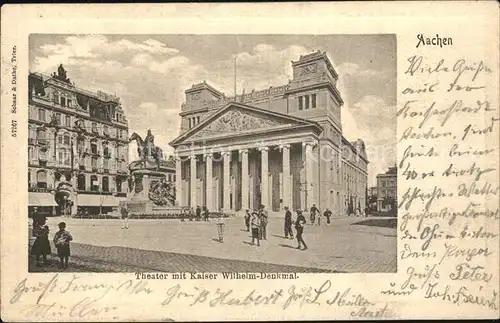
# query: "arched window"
{"type": "Point", "coordinates": [105, 184]}
{"type": "Point", "coordinates": [94, 183]}
{"type": "Point", "coordinates": [81, 182]}
{"type": "Point", "coordinates": [41, 179]}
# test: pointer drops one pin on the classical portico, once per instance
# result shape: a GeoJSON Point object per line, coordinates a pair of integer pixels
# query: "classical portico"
{"type": "Point", "coordinates": [242, 156]}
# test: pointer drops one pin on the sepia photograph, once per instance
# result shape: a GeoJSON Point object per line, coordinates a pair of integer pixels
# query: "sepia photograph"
{"type": "Point", "coordinates": [212, 153]}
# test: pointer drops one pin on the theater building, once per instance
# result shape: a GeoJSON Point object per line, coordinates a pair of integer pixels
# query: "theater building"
{"type": "Point", "coordinates": [77, 147]}
{"type": "Point", "coordinates": [282, 146]}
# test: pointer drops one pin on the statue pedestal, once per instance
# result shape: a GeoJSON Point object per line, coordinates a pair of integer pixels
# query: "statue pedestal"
{"type": "Point", "coordinates": [151, 193]}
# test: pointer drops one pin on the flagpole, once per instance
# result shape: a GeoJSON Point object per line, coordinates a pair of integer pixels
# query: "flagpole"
{"type": "Point", "coordinates": [235, 77]}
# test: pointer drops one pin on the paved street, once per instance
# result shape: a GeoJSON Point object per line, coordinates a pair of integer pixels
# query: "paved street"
{"type": "Point", "coordinates": [346, 245]}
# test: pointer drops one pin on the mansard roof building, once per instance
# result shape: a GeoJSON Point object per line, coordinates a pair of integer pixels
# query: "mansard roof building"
{"type": "Point", "coordinates": [77, 147]}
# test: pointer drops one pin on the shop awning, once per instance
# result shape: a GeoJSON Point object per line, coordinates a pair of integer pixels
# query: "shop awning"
{"type": "Point", "coordinates": [96, 200]}
{"type": "Point", "coordinates": [41, 199]}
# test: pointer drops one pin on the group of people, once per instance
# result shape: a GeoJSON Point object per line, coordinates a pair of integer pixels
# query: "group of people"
{"type": "Point", "coordinates": [257, 221]}
{"type": "Point", "coordinates": [315, 214]}
{"type": "Point", "coordinates": [41, 246]}
{"type": "Point", "coordinates": [192, 214]}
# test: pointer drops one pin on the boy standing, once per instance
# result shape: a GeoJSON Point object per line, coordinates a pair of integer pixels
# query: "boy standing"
{"type": "Point", "coordinates": [61, 241]}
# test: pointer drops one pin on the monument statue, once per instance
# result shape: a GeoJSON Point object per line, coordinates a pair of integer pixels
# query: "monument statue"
{"type": "Point", "coordinates": [147, 149]}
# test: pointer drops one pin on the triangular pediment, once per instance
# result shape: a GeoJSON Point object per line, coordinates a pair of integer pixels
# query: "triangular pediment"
{"type": "Point", "coordinates": [237, 118]}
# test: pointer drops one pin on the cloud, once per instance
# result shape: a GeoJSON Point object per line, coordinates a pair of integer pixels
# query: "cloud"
{"type": "Point", "coordinates": [91, 49]}
{"type": "Point", "coordinates": [353, 70]}
{"type": "Point", "coordinates": [266, 65]}
{"type": "Point", "coordinates": [373, 121]}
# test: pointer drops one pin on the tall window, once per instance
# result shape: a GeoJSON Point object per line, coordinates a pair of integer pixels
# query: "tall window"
{"type": "Point", "coordinates": [94, 183]}
{"type": "Point", "coordinates": [68, 121]}
{"type": "Point", "coordinates": [105, 184]}
{"type": "Point", "coordinates": [66, 140]}
{"type": "Point", "coordinates": [106, 130]}
{"type": "Point", "coordinates": [197, 120]}
{"type": "Point", "coordinates": [106, 164]}
{"type": "Point", "coordinates": [41, 179]}
{"type": "Point", "coordinates": [60, 139]}
{"type": "Point", "coordinates": [313, 101]}
{"type": "Point", "coordinates": [301, 106]}
{"type": "Point", "coordinates": [93, 148]}
{"type": "Point", "coordinates": [306, 99]}
{"type": "Point", "coordinates": [94, 163]}
{"type": "Point", "coordinates": [41, 114]}
{"type": "Point", "coordinates": [94, 127]}
{"type": "Point", "coordinates": [30, 153]}
{"type": "Point", "coordinates": [118, 184]}
{"type": "Point", "coordinates": [41, 136]}
{"type": "Point", "coordinates": [58, 118]}
{"type": "Point", "coordinates": [70, 104]}
{"type": "Point", "coordinates": [29, 178]}
{"type": "Point", "coordinates": [81, 182]}
{"type": "Point", "coordinates": [63, 101]}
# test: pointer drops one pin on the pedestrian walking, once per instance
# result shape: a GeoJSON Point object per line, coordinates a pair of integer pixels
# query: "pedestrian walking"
{"type": "Point", "coordinates": [198, 213]}
{"type": "Point", "coordinates": [205, 213]}
{"type": "Point", "coordinates": [263, 222]}
{"type": "Point", "coordinates": [299, 226]}
{"type": "Point", "coordinates": [124, 213]}
{"type": "Point", "coordinates": [61, 241]}
{"type": "Point", "coordinates": [220, 228]}
{"type": "Point", "coordinates": [183, 214]}
{"type": "Point", "coordinates": [327, 215]}
{"type": "Point", "coordinates": [191, 214]}
{"type": "Point", "coordinates": [255, 223]}
{"type": "Point", "coordinates": [247, 219]}
{"type": "Point", "coordinates": [312, 213]}
{"type": "Point", "coordinates": [41, 246]}
{"type": "Point", "coordinates": [288, 223]}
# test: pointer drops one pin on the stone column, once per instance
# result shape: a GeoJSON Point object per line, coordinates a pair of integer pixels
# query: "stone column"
{"type": "Point", "coordinates": [264, 177]}
{"type": "Point", "coordinates": [227, 183]}
{"type": "Point", "coordinates": [309, 174]}
{"type": "Point", "coordinates": [287, 196]}
{"type": "Point", "coordinates": [178, 182]}
{"type": "Point", "coordinates": [245, 180]}
{"type": "Point", "coordinates": [193, 182]}
{"type": "Point", "coordinates": [208, 183]}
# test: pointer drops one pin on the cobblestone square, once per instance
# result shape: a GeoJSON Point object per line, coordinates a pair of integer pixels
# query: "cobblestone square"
{"type": "Point", "coordinates": [346, 245]}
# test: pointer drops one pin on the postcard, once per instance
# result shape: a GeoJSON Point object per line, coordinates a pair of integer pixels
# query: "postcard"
{"type": "Point", "coordinates": [221, 162]}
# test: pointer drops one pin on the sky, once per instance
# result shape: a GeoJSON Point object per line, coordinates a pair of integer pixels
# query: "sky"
{"type": "Point", "coordinates": [151, 72]}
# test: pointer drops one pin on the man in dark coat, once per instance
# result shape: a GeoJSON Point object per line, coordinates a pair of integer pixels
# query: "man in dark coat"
{"type": "Point", "coordinates": [288, 223]}
{"type": "Point", "coordinates": [299, 226]}
{"type": "Point", "coordinates": [312, 213]}
{"type": "Point", "coordinates": [263, 222]}
{"type": "Point", "coordinates": [205, 213]}
{"type": "Point", "coordinates": [198, 213]}
{"type": "Point", "coordinates": [327, 215]}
